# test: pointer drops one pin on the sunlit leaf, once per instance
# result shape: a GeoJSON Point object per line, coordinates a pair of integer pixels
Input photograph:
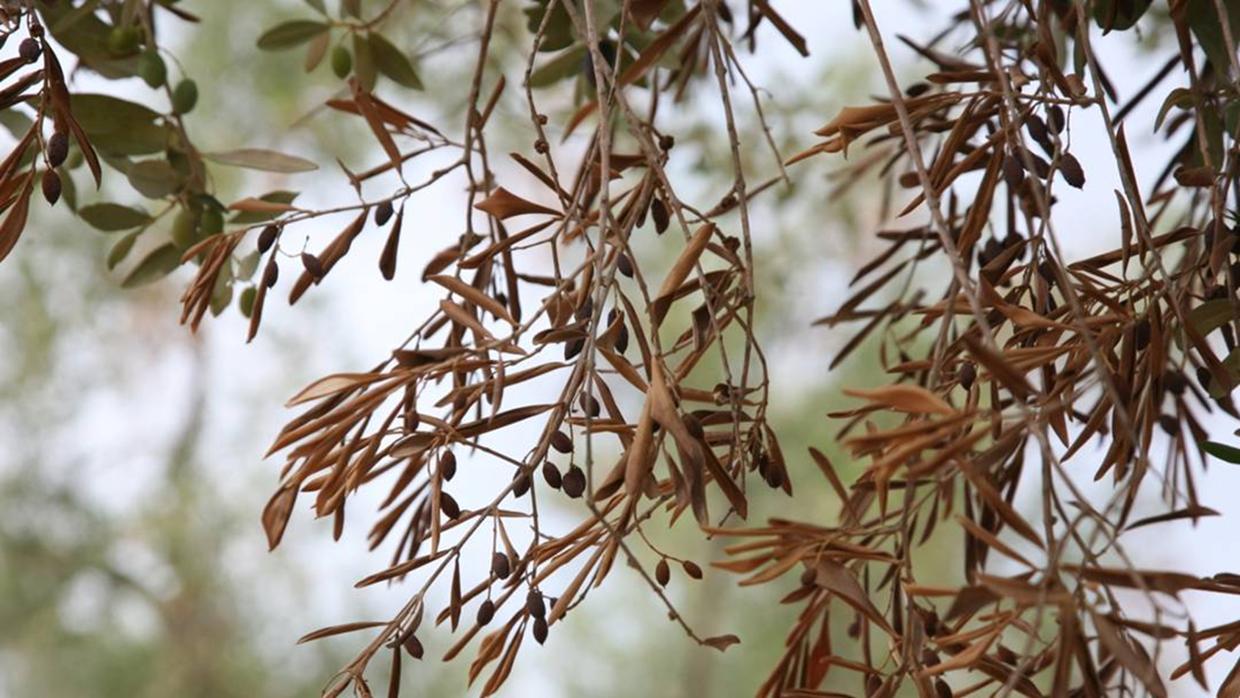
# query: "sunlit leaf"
{"type": "Point", "coordinates": [261, 159]}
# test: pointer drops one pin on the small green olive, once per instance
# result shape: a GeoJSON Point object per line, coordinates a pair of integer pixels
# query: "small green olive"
{"type": "Point", "coordinates": [185, 96]}
{"type": "Point", "coordinates": [184, 229]}
{"type": "Point", "coordinates": [342, 62]}
{"type": "Point", "coordinates": [212, 221]}
{"type": "Point", "coordinates": [151, 69]}
{"type": "Point", "coordinates": [124, 40]}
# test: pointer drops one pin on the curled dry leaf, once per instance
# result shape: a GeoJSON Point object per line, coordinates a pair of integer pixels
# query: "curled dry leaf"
{"type": "Point", "coordinates": [503, 204]}
{"type": "Point", "coordinates": [338, 630]}
{"type": "Point", "coordinates": [276, 514]}
{"type": "Point", "coordinates": [331, 385]}
{"type": "Point", "coordinates": [721, 642]}
{"type": "Point", "coordinates": [905, 398]}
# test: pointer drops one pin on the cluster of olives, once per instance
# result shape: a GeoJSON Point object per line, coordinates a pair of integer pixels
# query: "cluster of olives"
{"type": "Point", "coordinates": [129, 40]}
{"type": "Point", "coordinates": [56, 150]}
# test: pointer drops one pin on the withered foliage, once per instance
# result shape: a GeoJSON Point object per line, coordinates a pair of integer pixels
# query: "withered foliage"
{"type": "Point", "coordinates": [1030, 371]}
{"type": "Point", "coordinates": [1024, 374]}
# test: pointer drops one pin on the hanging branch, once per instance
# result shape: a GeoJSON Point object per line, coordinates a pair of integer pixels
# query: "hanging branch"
{"type": "Point", "coordinates": [1011, 362]}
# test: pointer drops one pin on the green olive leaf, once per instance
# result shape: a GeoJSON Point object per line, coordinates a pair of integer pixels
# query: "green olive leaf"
{"type": "Point", "coordinates": [154, 179]}
{"type": "Point", "coordinates": [1210, 316]}
{"type": "Point", "coordinates": [565, 65]}
{"type": "Point", "coordinates": [393, 63]}
{"type": "Point", "coordinates": [262, 159]}
{"type": "Point", "coordinates": [1231, 454]}
{"type": "Point", "coordinates": [121, 249]}
{"type": "Point", "coordinates": [1114, 14]}
{"type": "Point", "coordinates": [111, 218]}
{"type": "Point", "coordinates": [290, 34]}
{"type": "Point", "coordinates": [154, 266]}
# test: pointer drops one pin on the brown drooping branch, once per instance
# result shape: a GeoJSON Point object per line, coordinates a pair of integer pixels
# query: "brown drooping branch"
{"type": "Point", "coordinates": [1021, 366]}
